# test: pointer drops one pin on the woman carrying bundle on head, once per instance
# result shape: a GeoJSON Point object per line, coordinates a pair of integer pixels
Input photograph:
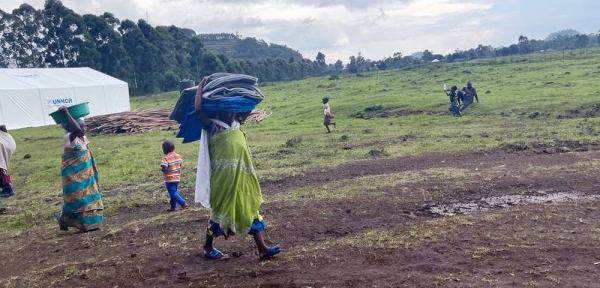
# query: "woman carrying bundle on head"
{"type": "Point", "coordinates": [221, 104]}
{"type": "Point", "coordinates": [82, 201]}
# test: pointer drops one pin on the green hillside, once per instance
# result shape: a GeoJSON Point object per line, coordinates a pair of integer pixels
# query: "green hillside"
{"type": "Point", "coordinates": [235, 47]}
{"type": "Point", "coordinates": [293, 138]}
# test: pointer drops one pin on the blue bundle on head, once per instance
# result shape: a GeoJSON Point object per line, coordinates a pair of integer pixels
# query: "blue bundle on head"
{"type": "Point", "coordinates": [222, 92]}
{"type": "Point", "coordinates": [231, 93]}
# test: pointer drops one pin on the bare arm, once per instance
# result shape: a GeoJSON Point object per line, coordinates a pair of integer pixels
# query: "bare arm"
{"type": "Point", "coordinates": [198, 104]}
{"type": "Point", "coordinates": [241, 117]}
{"type": "Point", "coordinates": [77, 131]}
{"type": "Point", "coordinates": [475, 94]}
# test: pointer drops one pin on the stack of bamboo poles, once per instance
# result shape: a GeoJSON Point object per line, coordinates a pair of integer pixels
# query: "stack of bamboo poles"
{"type": "Point", "coordinates": [130, 122]}
{"type": "Point", "coordinates": [258, 115]}
{"type": "Point", "coordinates": [144, 120]}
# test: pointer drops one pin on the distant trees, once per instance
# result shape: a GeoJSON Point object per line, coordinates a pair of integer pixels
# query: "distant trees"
{"type": "Point", "coordinates": [26, 33]}
{"type": "Point", "coordinates": [151, 59]}
{"type": "Point", "coordinates": [357, 64]}
{"type": "Point", "coordinates": [564, 39]}
{"type": "Point", "coordinates": [582, 41]}
{"type": "Point", "coordinates": [154, 59]}
{"type": "Point", "coordinates": [562, 33]}
{"type": "Point", "coordinates": [523, 44]}
{"type": "Point", "coordinates": [427, 56]}
{"type": "Point", "coordinates": [338, 66]}
{"type": "Point", "coordinates": [235, 47]}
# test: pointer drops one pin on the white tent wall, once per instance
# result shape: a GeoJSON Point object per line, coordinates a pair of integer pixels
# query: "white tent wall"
{"type": "Point", "coordinates": [27, 96]}
{"type": "Point", "coordinates": [17, 112]}
{"type": "Point", "coordinates": [116, 91]}
{"type": "Point", "coordinates": [20, 106]}
{"type": "Point", "coordinates": [85, 90]}
{"type": "Point", "coordinates": [52, 98]}
{"type": "Point", "coordinates": [115, 99]}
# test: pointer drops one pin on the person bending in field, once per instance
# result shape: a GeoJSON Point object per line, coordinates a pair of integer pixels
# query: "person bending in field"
{"type": "Point", "coordinates": [235, 194]}
{"type": "Point", "coordinates": [170, 165]}
{"type": "Point", "coordinates": [470, 95]}
{"type": "Point", "coordinates": [327, 114]}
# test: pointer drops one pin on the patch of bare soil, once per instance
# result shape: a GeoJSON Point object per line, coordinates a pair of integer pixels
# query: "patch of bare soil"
{"type": "Point", "coordinates": [495, 202]}
{"type": "Point", "coordinates": [583, 111]}
{"type": "Point", "coordinates": [386, 237]}
{"type": "Point", "coordinates": [518, 155]}
{"type": "Point", "coordinates": [381, 111]}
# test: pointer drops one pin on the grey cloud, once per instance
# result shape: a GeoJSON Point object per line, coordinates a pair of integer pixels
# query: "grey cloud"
{"type": "Point", "coordinates": [305, 36]}
{"type": "Point", "coordinates": [382, 15]}
{"type": "Point", "coordinates": [224, 24]}
{"type": "Point", "coordinates": [123, 9]}
{"type": "Point", "coordinates": [349, 4]}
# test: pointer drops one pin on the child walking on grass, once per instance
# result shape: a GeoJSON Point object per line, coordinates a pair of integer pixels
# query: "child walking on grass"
{"type": "Point", "coordinates": [327, 114]}
{"type": "Point", "coordinates": [171, 167]}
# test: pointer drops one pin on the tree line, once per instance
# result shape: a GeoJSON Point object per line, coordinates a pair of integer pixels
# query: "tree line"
{"type": "Point", "coordinates": [561, 40]}
{"type": "Point", "coordinates": [151, 59]}
{"type": "Point", "coordinates": [154, 59]}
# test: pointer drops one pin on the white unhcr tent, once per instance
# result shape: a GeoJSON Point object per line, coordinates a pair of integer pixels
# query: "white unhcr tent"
{"type": "Point", "coordinates": [28, 95]}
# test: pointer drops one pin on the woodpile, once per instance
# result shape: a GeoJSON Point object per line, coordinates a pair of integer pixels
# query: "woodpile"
{"type": "Point", "coordinates": [131, 121]}
{"type": "Point", "coordinates": [257, 116]}
{"type": "Point", "coordinates": [144, 120]}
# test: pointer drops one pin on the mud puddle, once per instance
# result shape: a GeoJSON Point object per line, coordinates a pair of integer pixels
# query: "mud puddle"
{"type": "Point", "coordinates": [498, 202]}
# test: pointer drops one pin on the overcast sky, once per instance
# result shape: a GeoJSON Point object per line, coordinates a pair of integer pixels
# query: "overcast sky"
{"type": "Point", "coordinates": [341, 28]}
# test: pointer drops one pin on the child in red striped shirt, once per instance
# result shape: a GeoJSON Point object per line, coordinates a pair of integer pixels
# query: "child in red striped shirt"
{"type": "Point", "coordinates": [171, 167]}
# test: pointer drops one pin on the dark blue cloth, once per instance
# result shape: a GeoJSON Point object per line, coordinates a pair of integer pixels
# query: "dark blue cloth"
{"type": "Point", "coordinates": [174, 195]}
{"type": "Point", "coordinates": [235, 105]}
{"type": "Point", "coordinates": [190, 128]}
{"type": "Point", "coordinates": [256, 227]}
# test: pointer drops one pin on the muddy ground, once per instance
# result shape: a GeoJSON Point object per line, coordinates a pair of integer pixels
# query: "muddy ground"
{"type": "Point", "coordinates": [500, 218]}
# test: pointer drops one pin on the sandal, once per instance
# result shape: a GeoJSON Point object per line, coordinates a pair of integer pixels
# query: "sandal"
{"type": "Point", "coordinates": [61, 225]}
{"type": "Point", "coordinates": [214, 254]}
{"type": "Point", "coordinates": [271, 251]}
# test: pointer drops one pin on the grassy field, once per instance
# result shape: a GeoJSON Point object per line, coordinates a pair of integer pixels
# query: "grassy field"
{"type": "Point", "coordinates": [293, 139]}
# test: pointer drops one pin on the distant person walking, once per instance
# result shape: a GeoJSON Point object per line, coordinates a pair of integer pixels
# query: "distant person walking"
{"type": "Point", "coordinates": [454, 103]}
{"type": "Point", "coordinates": [470, 94]}
{"type": "Point", "coordinates": [327, 114]}
{"type": "Point", "coordinates": [7, 149]}
{"type": "Point", "coordinates": [170, 165]}
{"type": "Point", "coordinates": [82, 201]}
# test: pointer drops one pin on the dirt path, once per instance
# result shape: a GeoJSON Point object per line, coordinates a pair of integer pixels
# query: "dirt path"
{"type": "Point", "coordinates": [386, 236]}
{"type": "Point", "coordinates": [480, 159]}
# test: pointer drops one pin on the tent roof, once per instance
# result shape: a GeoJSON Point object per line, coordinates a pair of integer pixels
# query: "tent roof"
{"type": "Point", "coordinates": [36, 78]}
